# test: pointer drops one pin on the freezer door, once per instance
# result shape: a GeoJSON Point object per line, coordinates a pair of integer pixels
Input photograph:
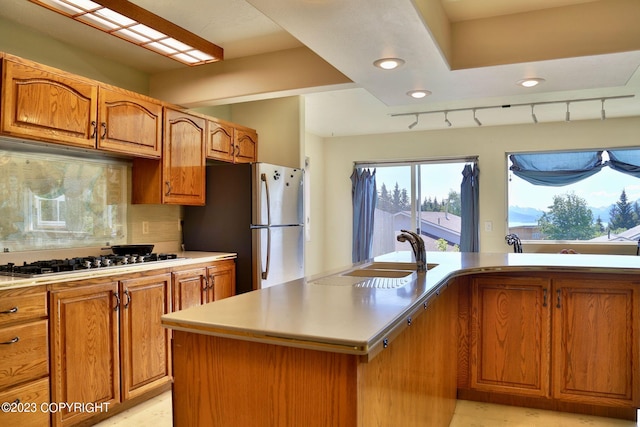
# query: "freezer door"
{"type": "Point", "coordinates": [278, 198]}
{"type": "Point", "coordinates": [278, 255]}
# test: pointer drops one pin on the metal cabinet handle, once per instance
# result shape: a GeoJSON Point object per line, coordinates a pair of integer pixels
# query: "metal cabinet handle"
{"type": "Point", "coordinates": [13, 341]}
{"type": "Point", "coordinates": [558, 293]}
{"type": "Point", "coordinates": [544, 297]}
{"type": "Point", "coordinates": [126, 294]}
{"type": "Point", "coordinates": [117, 307]}
{"type": "Point", "coordinates": [10, 311]}
{"type": "Point", "coordinates": [103, 125]}
{"type": "Point", "coordinates": [168, 188]}
{"type": "Point", "coordinates": [237, 151]}
{"type": "Point", "coordinates": [212, 281]}
{"type": "Point", "coordinates": [94, 130]}
{"type": "Point", "coordinates": [206, 283]}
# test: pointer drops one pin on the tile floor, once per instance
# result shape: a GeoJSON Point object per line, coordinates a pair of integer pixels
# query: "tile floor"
{"type": "Point", "coordinates": [157, 413]}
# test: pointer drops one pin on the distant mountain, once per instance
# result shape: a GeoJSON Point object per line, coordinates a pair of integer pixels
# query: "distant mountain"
{"type": "Point", "coordinates": [524, 215]}
{"type": "Point", "coordinates": [529, 216]}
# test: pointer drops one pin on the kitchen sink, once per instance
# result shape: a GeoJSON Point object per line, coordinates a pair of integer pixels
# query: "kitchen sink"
{"type": "Point", "coordinates": [404, 266]}
{"type": "Point", "coordinates": [374, 272]}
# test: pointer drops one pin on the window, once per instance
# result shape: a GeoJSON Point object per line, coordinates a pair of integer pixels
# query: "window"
{"type": "Point", "coordinates": [602, 207]}
{"type": "Point", "coordinates": [418, 196]}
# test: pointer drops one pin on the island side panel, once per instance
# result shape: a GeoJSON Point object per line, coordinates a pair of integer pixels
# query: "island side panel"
{"type": "Point", "coordinates": [226, 382]}
{"type": "Point", "coordinates": [412, 383]}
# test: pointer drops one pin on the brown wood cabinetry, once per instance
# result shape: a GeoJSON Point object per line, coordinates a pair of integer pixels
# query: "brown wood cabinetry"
{"type": "Point", "coordinates": [85, 351]}
{"type": "Point", "coordinates": [146, 356]}
{"type": "Point", "coordinates": [118, 325]}
{"type": "Point", "coordinates": [179, 178]}
{"type": "Point", "coordinates": [201, 285]}
{"type": "Point", "coordinates": [129, 123]}
{"type": "Point", "coordinates": [570, 340]}
{"type": "Point", "coordinates": [222, 280]}
{"type": "Point", "coordinates": [510, 338]}
{"type": "Point", "coordinates": [228, 142]}
{"type": "Point", "coordinates": [44, 104]}
{"type": "Point", "coordinates": [24, 356]}
{"type": "Point", "coordinates": [595, 341]}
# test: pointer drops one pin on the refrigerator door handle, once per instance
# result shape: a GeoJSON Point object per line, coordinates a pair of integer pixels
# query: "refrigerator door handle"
{"type": "Point", "coordinates": [263, 178]}
{"type": "Point", "coordinates": [265, 273]}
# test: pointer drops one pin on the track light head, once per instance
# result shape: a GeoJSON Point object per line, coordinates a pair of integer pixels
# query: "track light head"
{"type": "Point", "coordinates": [533, 115]}
{"type": "Point", "coordinates": [603, 115]}
{"type": "Point", "coordinates": [476, 119]}
{"type": "Point", "coordinates": [412, 125]}
{"type": "Point", "coordinates": [567, 117]}
{"type": "Point", "coordinates": [446, 120]}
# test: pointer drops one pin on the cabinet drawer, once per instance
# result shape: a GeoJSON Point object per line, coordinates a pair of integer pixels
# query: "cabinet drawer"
{"type": "Point", "coordinates": [26, 408]}
{"type": "Point", "coordinates": [24, 353]}
{"type": "Point", "coordinates": [17, 308]}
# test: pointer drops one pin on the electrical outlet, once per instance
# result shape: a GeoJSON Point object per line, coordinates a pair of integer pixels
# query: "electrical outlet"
{"type": "Point", "coordinates": [145, 227]}
{"type": "Point", "coordinates": [488, 226]}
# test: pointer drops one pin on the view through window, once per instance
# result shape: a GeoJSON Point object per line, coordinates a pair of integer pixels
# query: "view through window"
{"type": "Point", "coordinates": [601, 208]}
{"type": "Point", "coordinates": [424, 196]}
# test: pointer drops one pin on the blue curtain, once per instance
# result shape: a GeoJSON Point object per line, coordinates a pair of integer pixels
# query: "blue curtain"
{"type": "Point", "coordinates": [625, 161]}
{"type": "Point", "coordinates": [469, 198]}
{"type": "Point", "coordinates": [364, 196]}
{"type": "Point", "coordinates": [556, 169]}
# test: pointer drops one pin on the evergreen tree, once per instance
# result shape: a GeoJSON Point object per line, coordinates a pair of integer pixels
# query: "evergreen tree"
{"type": "Point", "coordinates": [384, 199]}
{"type": "Point", "coordinates": [622, 214]}
{"type": "Point", "coordinates": [599, 225]}
{"type": "Point", "coordinates": [396, 199]}
{"type": "Point", "coordinates": [405, 203]}
{"type": "Point", "coordinates": [569, 218]}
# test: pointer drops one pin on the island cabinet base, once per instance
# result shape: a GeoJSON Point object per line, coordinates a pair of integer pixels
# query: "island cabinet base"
{"type": "Point", "coordinates": [226, 382]}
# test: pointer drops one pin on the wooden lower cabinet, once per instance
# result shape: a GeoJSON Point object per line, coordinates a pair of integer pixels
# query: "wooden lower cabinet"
{"type": "Point", "coordinates": [568, 342]}
{"type": "Point", "coordinates": [510, 335]}
{"type": "Point", "coordinates": [595, 341]}
{"type": "Point", "coordinates": [201, 285]}
{"type": "Point", "coordinates": [24, 357]}
{"type": "Point", "coordinates": [107, 342]}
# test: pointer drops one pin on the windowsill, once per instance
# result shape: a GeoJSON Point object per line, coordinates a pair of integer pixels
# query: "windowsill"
{"type": "Point", "coordinates": [605, 248]}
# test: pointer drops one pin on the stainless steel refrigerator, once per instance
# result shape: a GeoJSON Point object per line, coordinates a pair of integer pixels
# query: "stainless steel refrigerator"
{"type": "Point", "coordinates": [255, 210]}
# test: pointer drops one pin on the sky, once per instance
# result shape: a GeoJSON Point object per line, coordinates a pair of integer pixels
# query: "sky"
{"type": "Point", "coordinates": [602, 189]}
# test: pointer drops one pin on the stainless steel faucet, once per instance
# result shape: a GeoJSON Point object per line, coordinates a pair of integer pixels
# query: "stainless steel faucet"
{"type": "Point", "coordinates": [417, 244]}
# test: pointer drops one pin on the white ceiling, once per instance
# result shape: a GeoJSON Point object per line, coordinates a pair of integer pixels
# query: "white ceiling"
{"type": "Point", "coordinates": [351, 34]}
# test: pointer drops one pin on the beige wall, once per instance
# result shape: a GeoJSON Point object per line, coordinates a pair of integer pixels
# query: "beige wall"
{"type": "Point", "coordinates": [315, 185]}
{"type": "Point", "coordinates": [490, 144]}
{"type": "Point", "coordinates": [20, 41]}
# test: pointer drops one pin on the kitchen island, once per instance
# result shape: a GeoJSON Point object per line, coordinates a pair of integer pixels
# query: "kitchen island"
{"type": "Point", "coordinates": [344, 349]}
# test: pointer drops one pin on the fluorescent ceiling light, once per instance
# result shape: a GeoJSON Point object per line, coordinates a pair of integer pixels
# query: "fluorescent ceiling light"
{"type": "Point", "coordinates": [136, 25]}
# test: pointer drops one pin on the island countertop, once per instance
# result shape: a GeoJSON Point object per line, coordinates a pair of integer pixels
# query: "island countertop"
{"type": "Point", "coordinates": [325, 313]}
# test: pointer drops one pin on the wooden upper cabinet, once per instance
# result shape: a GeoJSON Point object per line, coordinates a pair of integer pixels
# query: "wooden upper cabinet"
{"type": "Point", "coordinates": [596, 324]}
{"type": "Point", "coordinates": [45, 106]}
{"type": "Point", "coordinates": [129, 124]}
{"type": "Point", "coordinates": [179, 177]}
{"type": "Point", "coordinates": [231, 143]}
{"type": "Point", "coordinates": [220, 142]}
{"type": "Point", "coordinates": [510, 335]}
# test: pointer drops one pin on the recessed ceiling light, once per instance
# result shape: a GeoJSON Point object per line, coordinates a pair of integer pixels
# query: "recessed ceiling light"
{"type": "Point", "coordinates": [418, 93]}
{"type": "Point", "coordinates": [388, 63]}
{"type": "Point", "coordinates": [530, 82]}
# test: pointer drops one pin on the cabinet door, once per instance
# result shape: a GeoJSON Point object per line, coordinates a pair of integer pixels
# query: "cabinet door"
{"type": "Point", "coordinates": [246, 145]}
{"type": "Point", "coordinates": [145, 343]}
{"type": "Point", "coordinates": [129, 124]}
{"type": "Point", "coordinates": [595, 342]}
{"type": "Point", "coordinates": [510, 335]}
{"type": "Point", "coordinates": [183, 160]}
{"type": "Point", "coordinates": [222, 280]}
{"type": "Point", "coordinates": [220, 142]}
{"type": "Point", "coordinates": [189, 288]}
{"type": "Point", "coordinates": [85, 363]}
{"type": "Point", "coordinates": [41, 105]}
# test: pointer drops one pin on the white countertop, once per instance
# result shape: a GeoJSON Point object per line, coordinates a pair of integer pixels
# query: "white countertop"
{"type": "Point", "coordinates": [184, 259]}
{"type": "Point", "coordinates": [355, 320]}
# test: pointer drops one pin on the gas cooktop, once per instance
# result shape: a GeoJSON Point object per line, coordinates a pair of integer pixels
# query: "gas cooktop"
{"type": "Point", "coordinates": [67, 265]}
